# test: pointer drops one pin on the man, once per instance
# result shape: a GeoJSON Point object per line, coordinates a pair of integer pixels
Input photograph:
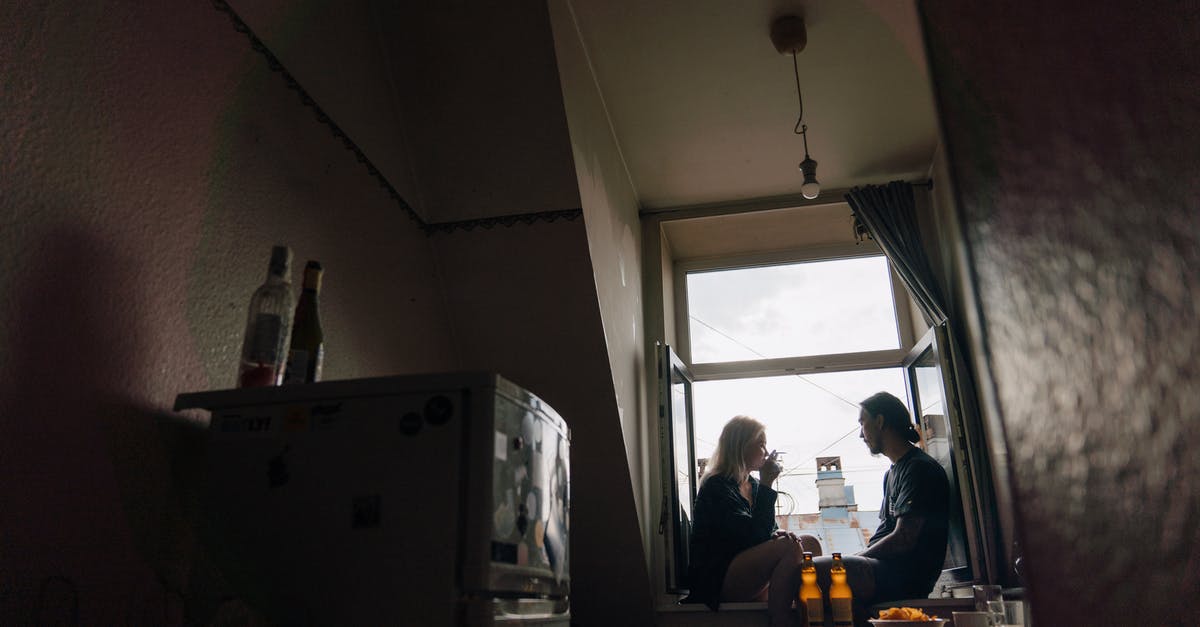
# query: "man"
{"type": "Point", "coordinates": [904, 558]}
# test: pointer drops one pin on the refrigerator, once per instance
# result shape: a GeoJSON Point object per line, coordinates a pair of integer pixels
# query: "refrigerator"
{"type": "Point", "coordinates": [410, 500]}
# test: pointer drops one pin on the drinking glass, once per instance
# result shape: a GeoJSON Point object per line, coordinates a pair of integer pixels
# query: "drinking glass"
{"type": "Point", "coordinates": [1014, 614]}
{"type": "Point", "coordinates": [970, 619]}
{"type": "Point", "coordinates": [988, 599]}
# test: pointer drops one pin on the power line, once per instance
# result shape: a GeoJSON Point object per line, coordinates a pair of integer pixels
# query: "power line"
{"type": "Point", "coordinates": [809, 473]}
{"type": "Point", "coordinates": [827, 447]}
{"type": "Point", "coordinates": [798, 376]}
{"type": "Point", "coordinates": [802, 377]}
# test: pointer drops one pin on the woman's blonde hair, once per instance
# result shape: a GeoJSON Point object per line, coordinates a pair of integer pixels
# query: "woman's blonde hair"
{"type": "Point", "coordinates": [729, 459]}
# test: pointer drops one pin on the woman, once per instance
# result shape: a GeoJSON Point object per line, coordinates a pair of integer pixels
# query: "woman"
{"type": "Point", "coordinates": [736, 552]}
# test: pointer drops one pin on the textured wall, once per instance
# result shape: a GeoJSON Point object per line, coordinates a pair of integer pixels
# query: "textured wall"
{"type": "Point", "coordinates": [1072, 133]}
{"type": "Point", "coordinates": [148, 163]}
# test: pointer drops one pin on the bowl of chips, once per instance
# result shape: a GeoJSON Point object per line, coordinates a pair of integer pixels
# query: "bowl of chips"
{"type": "Point", "coordinates": [902, 616]}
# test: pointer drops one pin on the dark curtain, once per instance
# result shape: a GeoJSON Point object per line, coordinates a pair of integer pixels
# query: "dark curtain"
{"type": "Point", "coordinates": [888, 213]}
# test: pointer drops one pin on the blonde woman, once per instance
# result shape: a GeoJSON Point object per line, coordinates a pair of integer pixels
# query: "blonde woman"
{"type": "Point", "coordinates": [737, 553]}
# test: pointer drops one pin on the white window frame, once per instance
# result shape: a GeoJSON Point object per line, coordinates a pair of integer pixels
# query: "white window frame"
{"type": "Point", "coordinates": [768, 367]}
{"type": "Point", "coordinates": [809, 364]}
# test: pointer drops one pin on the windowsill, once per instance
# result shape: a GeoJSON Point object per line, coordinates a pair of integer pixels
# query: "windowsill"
{"type": "Point", "coordinates": [753, 606]}
{"type": "Point", "coordinates": [760, 605]}
{"type": "Point", "coordinates": [927, 602]}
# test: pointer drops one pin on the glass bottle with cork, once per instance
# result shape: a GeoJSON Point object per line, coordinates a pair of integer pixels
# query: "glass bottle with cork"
{"type": "Point", "coordinates": [306, 352]}
{"type": "Point", "coordinates": [841, 599]}
{"type": "Point", "coordinates": [268, 325]}
{"type": "Point", "coordinates": [809, 597]}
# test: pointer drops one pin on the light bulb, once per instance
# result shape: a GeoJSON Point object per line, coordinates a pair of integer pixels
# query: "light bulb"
{"type": "Point", "coordinates": [810, 189]}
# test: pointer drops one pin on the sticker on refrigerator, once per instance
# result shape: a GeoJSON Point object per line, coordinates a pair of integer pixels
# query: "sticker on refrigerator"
{"type": "Point", "coordinates": [504, 552]}
{"type": "Point", "coordinates": [365, 511]}
{"type": "Point", "coordinates": [296, 419]}
{"type": "Point", "coordinates": [326, 416]}
{"type": "Point", "coordinates": [237, 423]}
{"type": "Point", "coordinates": [501, 446]}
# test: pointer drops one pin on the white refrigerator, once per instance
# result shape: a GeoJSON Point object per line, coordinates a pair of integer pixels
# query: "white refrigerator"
{"type": "Point", "coordinates": [412, 500]}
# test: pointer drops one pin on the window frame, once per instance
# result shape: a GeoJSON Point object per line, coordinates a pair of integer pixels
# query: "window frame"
{"type": "Point", "coordinates": [966, 473]}
{"type": "Point", "coordinates": [834, 362]}
{"type": "Point", "coordinates": [767, 367]}
{"type": "Point", "coordinates": [674, 372]}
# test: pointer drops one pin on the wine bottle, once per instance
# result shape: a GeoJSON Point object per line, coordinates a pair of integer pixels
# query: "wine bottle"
{"type": "Point", "coordinates": [841, 599]}
{"type": "Point", "coordinates": [268, 324]}
{"type": "Point", "coordinates": [307, 350]}
{"type": "Point", "coordinates": [809, 596]}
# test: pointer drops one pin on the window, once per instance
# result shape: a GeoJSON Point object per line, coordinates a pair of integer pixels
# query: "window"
{"type": "Point", "coordinates": [796, 342]}
{"type": "Point", "coordinates": [807, 416]}
{"type": "Point", "coordinates": [939, 421]}
{"type": "Point", "coordinates": [797, 339]}
{"type": "Point", "coordinates": [791, 310]}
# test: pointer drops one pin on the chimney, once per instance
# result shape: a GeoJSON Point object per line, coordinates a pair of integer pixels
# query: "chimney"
{"type": "Point", "coordinates": [834, 497]}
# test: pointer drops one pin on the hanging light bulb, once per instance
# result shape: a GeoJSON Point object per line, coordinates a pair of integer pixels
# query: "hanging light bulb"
{"type": "Point", "coordinates": [789, 36]}
{"type": "Point", "coordinates": [810, 188]}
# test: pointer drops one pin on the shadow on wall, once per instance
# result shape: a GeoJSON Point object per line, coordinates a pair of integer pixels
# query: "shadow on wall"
{"type": "Point", "coordinates": [94, 527]}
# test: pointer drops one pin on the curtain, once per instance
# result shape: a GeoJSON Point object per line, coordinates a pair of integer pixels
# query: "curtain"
{"type": "Point", "coordinates": [888, 214]}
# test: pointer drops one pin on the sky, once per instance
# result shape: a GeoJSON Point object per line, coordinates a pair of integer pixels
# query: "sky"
{"type": "Point", "coordinates": [785, 311]}
{"type": "Point", "coordinates": [814, 308]}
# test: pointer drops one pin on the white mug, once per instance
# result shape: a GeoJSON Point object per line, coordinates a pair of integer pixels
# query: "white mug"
{"type": "Point", "coordinates": [971, 619]}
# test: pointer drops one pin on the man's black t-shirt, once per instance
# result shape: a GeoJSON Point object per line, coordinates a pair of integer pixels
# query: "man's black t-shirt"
{"type": "Point", "coordinates": [916, 485]}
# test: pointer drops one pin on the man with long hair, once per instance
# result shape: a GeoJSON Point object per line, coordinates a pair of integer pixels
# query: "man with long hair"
{"type": "Point", "coordinates": [905, 556]}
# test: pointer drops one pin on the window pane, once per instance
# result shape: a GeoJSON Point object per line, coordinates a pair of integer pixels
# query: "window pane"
{"type": "Point", "coordinates": [813, 308]}
{"type": "Point", "coordinates": [926, 375]}
{"type": "Point", "coordinates": [807, 417]}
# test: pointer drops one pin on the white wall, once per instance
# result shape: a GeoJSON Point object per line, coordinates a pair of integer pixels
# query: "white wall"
{"type": "Point", "coordinates": [610, 211]}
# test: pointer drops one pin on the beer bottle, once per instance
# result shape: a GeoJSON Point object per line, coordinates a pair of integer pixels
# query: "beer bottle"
{"type": "Point", "coordinates": [307, 350]}
{"type": "Point", "coordinates": [810, 593]}
{"type": "Point", "coordinates": [840, 598]}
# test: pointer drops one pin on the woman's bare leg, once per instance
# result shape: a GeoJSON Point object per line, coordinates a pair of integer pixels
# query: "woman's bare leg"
{"type": "Point", "coordinates": [773, 566]}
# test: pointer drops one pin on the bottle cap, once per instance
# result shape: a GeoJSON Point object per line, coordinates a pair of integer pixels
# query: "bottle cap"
{"type": "Point", "coordinates": [808, 555]}
{"type": "Point", "coordinates": [281, 260]}
{"type": "Point", "coordinates": [312, 275]}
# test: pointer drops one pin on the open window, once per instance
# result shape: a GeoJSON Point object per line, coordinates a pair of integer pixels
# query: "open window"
{"type": "Point", "coordinates": [679, 470]}
{"type": "Point", "coordinates": [936, 412]}
{"type": "Point", "coordinates": [796, 341]}
{"type": "Point", "coordinates": [796, 337]}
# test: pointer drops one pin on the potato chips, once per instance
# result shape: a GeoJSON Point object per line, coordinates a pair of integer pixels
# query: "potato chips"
{"type": "Point", "coordinates": [904, 613]}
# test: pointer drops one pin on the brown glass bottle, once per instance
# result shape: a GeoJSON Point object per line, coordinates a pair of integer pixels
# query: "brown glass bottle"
{"type": "Point", "coordinates": [840, 596]}
{"type": "Point", "coordinates": [306, 353]}
{"type": "Point", "coordinates": [809, 597]}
